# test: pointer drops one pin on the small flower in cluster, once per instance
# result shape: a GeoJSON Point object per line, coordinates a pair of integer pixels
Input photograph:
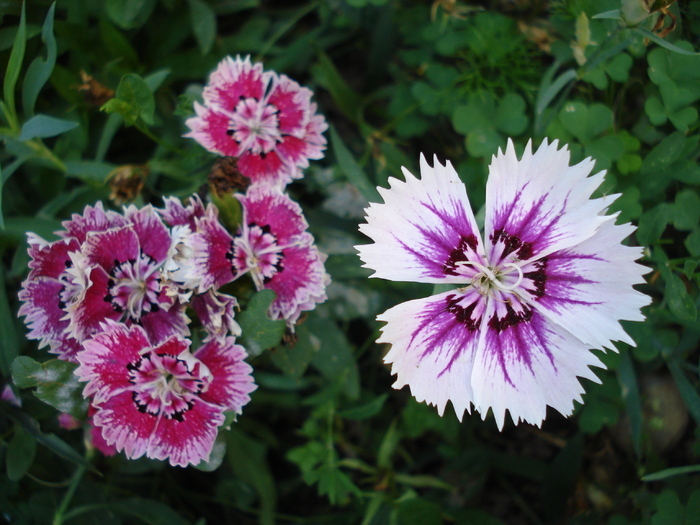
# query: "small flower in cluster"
{"type": "Point", "coordinates": [264, 119]}
{"type": "Point", "coordinates": [106, 295]}
{"type": "Point", "coordinates": [272, 246]}
{"type": "Point", "coordinates": [548, 280]}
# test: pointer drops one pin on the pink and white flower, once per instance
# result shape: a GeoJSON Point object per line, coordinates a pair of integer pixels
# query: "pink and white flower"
{"type": "Point", "coordinates": [267, 121]}
{"type": "Point", "coordinates": [121, 271]}
{"type": "Point", "coordinates": [160, 400]}
{"type": "Point", "coordinates": [272, 246]}
{"type": "Point", "coordinates": [549, 280]}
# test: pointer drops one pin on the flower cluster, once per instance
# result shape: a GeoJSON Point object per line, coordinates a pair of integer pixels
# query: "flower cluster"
{"type": "Point", "coordinates": [267, 121]}
{"type": "Point", "coordinates": [100, 297]}
{"type": "Point", "coordinates": [116, 292]}
{"type": "Point", "coordinates": [549, 280]}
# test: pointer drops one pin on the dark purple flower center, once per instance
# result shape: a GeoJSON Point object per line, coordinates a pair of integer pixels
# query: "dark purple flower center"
{"type": "Point", "coordinates": [257, 252]}
{"type": "Point", "coordinates": [134, 286]}
{"type": "Point", "coordinates": [505, 280]}
{"type": "Point", "coordinates": [166, 385]}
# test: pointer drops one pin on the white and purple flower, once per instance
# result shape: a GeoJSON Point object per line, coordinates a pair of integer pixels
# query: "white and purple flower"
{"type": "Point", "coordinates": [267, 121]}
{"type": "Point", "coordinates": [549, 281]}
{"type": "Point", "coordinates": [160, 400]}
{"type": "Point", "coordinates": [272, 246]}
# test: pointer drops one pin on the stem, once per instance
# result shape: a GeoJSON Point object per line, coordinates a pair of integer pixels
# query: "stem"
{"type": "Point", "coordinates": [59, 516]}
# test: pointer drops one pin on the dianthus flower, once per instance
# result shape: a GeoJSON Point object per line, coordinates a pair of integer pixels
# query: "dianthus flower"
{"type": "Point", "coordinates": [161, 400]}
{"type": "Point", "coordinates": [272, 246]}
{"type": "Point", "coordinates": [265, 120]}
{"type": "Point", "coordinates": [549, 281]}
{"type": "Point", "coordinates": [107, 266]}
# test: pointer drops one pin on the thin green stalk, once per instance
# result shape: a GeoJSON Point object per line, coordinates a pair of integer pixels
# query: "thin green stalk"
{"type": "Point", "coordinates": [286, 27]}
{"type": "Point", "coordinates": [59, 517]}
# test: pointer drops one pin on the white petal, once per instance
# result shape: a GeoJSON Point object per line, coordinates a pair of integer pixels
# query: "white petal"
{"type": "Point", "coordinates": [526, 367]}
{"type": "Point", "coordinates": [420, 224]}
{"type": "Point", "coordinates": [588, 288]}
{"type": "Point", "coordinates": [432, 349]}
{"type": "Point", "coordinates": [542, 200]}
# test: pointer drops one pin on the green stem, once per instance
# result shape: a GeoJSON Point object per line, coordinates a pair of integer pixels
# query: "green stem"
{"type": "Point", "coordinates": [59, 517]}
{"type": "Point", "coordinates": [286, 27]}
{"type": "Point", "coordinates": [157, 140]}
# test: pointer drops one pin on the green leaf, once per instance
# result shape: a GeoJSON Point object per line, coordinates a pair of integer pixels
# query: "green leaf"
{"type": "Point", "coordinates": [669, 510]}
{"type": "Point", "coordinates": [129, 14]}
{"type": "Point", "coordinates": [259, 331]}
{"type": "Point", "coordinates": [56, 383]}
{"type": "Point", "coordinates": [334, 359]}
{"type": "Point", "coordinates": [352, 170]}
{"type": "Point", "coordinates": [14, 66]}
{"type": "Point", "coordinates": [688, 392]}
{"type": "Point", "coordinates": [51, 441]}
{"type": "Point", "coordinates": [484, 143]}
{"type": "Point", "coordinates": [20, 453]}
{"type": "Point", "coordinates": [652, 224]}
{"type": "Point", "coordinates": [327, 75]}
{"type": "Point", "coordinates": [678, 299]}
{"type": "Point", "coordinates": [39, 70]}
{"type": "Point", "coordinates": [43, 126]}
{"type": "Point", "coordinates": [692, 243]}
{"type": "Point", "coordinates": [686, 210]}
{"type": "Point", "coordinates": [419, 511]}
{"type": "Point", "coordinates": [547, 94]}
{"type": "Point", "coordinates": [663, 43]}
{"type": "Point", "coordinates": [670, 472]}
{"type": "Point", "coordinates": [511, 118]}
{"type": "Point", "coordinates": [585, 122]}
{"type": "Point", "coordinates": [203, 24]}
{"type": "Point", "coordinates": [365, 411]}
{"type": "Point", "coordinates": [9, 342]}
{"type": "Point", "coordinates": [247, 459]}
{"type": "Point", "coordinates": [89, 171]}
{"type": "Point", "coordinates": [630, 395]}
{"type": "Point", "coordinates": [293, 359]}
{"type": "Point", "coordinates": [134, 100]}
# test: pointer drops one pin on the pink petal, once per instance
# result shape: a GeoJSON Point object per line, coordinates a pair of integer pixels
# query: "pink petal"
{"type": "Point", "coordinates": [232, 376]}
{"type": "Point", "coordinates": [216, 313]}
{"type": "Point", "coordinates": [293, 103]}
{"type": "Point", "coordinates": [176, 214]}
{"type": "Point", "coordinates": [211, 129]}
{"type": "Point", "coordinates": [268, 169]}
{"type": "Point", "coordinates": [152, 234]}
{"type": "Point", "coordinates": [92, 220]}
{"type": "Point", "coordinates": [212, 248]}
{"type": "Point", "coordinates": [162, 324]}
{"type": "Point", "coordinates": [106, 248]}
{"type": "Point", "coordinates": [269, 207]}
{"type": "Point", "coordinates": [233, 80]}
{"type": "Point", "coordinates": [50, 259]}
{"type": "Point", "coordinates": [105, 359]}
{"type": "Point", "coordinates": [91, 309]}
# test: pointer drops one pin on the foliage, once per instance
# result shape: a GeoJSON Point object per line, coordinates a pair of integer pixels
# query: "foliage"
{"type": "Point", "coordinates": [91, 86]}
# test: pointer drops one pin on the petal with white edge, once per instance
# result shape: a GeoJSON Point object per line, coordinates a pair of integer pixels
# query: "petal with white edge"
{"type": "Point", "coordinates": [525, 367]}
{"type": "Point", "coordinates": [433, 344]}
{"type": "Point", "coordinates": [589, 287]}
{"type": "Point", "coordinates": [541, 200]}
{"type": "Point", "coordinates": [421, 223]}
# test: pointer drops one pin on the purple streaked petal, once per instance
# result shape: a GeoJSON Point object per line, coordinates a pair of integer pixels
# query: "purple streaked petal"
{"type": "Point", "coordinates": [212, 247]}
{"type": "Point", "coordinates": [232, 377]}
{"type": "Point", "coordinates": [293, 104]}
{"type": "Point", "coordinates": [152, 234]}
{"type": "Point", "coordinates": [90, 309]}
{"type": "Point", "coordinates": [49, 259]}
{"type": "Point", "coordinates": [105, 360]}
{"type": "Point", "coordinates": [525, 367]}
{"type": "Point", "coordinates": [433, 344]}
{"type": "Point", "coordinates": [210, 129]}
{"type": "Point", "coordinates": [106, 248]}
{"type": "Point", "coordinates": [92, 220]}
{"type": "Point", "coordinates": [541, 200]}
{"type": "Point", "coordinates": [216, 312]}
{"type": "Point", "coordinates": [588, 287]}
{"type": "Point", "coordinates": [420, 226]}
{"type": "Point", "coordinates": [176, 214]}
{"type": "Point", "coordinates": [163, 323]}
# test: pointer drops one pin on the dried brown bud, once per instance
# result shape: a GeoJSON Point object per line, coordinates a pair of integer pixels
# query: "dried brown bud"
{"type": "Point", "coordinates": [126, 182]}
{"type": "Point", "coordinates": [225, 177]}
{"type": "Point", "coordinates": [95, 92]}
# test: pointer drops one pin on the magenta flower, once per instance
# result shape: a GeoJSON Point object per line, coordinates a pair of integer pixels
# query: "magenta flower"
{"type": "Point", "coordinates": [267, 121]}
{"type": "Point", "coordinates": [57, 279]}
{"type": "Point", "coordinates": [272, 246]}
{"type": "Point", "coordinates": [550, 281]}
{"type": "Point", "coordinates": [121, 270]}
{"type": "Point", "coordinates": [160, 400]}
